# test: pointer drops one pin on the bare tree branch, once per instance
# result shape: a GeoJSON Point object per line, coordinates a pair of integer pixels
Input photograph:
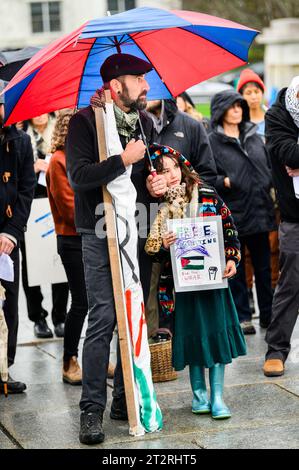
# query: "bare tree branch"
{"type": "Point", "coordinates": [254, 13]}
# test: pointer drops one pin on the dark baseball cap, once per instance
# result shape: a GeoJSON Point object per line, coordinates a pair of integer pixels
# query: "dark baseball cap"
{"type": "Point", "coordinates": [123, 64]}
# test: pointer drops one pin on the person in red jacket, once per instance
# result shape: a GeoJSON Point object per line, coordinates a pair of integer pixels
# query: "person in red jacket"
{"type": "Point", "coordinates": [16, 193]}
{"type": "Point", "coordinates": [61, 199]}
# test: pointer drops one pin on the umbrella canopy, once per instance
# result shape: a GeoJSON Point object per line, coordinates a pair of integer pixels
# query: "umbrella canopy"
{"type": "Point", "coordinates": [184, 48]}
{"type": "Point", "coordinates": [12, 61]}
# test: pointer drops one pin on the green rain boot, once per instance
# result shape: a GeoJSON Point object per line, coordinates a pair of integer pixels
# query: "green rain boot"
{"type": "Point", "coordinates": [219, 408]}
{"type": "Point", "coordinates": [200, 402]}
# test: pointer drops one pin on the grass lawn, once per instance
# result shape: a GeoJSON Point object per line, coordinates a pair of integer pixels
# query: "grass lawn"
{"type": "Point", "coordinates": [204, 109]}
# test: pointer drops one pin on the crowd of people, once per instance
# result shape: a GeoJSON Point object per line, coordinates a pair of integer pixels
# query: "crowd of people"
{"type": "Point", "coordinates": [241, 163]}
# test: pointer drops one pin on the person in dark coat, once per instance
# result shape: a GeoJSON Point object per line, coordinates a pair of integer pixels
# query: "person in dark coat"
{"type": "Point", "coordinates": [244, 183]}
{"type": "Point", "coordinates": [40, 130]}
{"type": "Point", "coordinates": [16, 193]}
{"type": "Point", "coordinates": [125, 76]}
{"type": "Point", "coordinates": [180, 131]}
{"type": "Point", "coordinates": [282, 142]}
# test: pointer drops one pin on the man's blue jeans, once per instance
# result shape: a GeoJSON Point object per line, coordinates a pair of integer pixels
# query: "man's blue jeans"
{"type": "Point", "coordinates": [101, 323]}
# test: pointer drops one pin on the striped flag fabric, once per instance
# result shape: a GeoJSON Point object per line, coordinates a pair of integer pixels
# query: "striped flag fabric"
{"type": "Point", "coordinates": [192, 262]}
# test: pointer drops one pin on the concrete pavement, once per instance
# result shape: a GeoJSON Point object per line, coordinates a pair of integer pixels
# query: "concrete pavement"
{"type": "Point", "coordinates": [265, 411]}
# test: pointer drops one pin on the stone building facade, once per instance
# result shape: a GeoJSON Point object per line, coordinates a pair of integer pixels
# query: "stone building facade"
{"type": "Point", "coordinates": [36, 23]}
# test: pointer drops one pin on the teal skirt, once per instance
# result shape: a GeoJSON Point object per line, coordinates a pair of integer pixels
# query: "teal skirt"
{"type": "Point", "coordinates": [207, 329]}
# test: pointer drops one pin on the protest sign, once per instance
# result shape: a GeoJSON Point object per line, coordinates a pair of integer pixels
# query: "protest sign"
{"type": "Point", "coordinates": [197, 256]}
{"type": "Point", "coordinates": [43, 262]}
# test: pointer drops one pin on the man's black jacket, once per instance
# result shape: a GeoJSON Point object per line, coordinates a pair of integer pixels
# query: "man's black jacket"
{"type": "Point", "coordinates": [246, 163]}
{"type": "Point", "coordinates": [282, 144]}
{"type": "Point", "coordinates": [86, 174]}
{"type": "Point", "coordinates": [17, 181]}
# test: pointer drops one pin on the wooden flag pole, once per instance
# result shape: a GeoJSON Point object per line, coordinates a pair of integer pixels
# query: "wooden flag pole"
{"type": "Point", "coordinates": [116, 273]}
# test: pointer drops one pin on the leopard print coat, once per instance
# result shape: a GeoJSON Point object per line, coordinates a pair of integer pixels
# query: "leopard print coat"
{"type": "Point", "coordinates": [204, 201]}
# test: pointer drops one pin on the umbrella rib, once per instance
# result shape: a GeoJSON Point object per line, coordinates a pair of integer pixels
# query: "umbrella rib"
{"type": "Point", "coordinates": [146, 33]}
{"type": "Point", "coordinates": [151, 63]}
{"type": "Point", "coordinates": [82, 75]}
{"type": "Point", "coordinates": [153, 31]}
{"type": "Point", "coordinates": [122, 39]}
{"type": "Point", "coordinates": [103, 49]}
{"type": "Point", "coordinates": [77, 50]}
{"type": "Point", "coordinates": [106, 48]}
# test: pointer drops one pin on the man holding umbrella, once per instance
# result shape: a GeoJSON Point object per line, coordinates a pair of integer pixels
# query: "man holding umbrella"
{"type": "Point", "coordinates": [124, 75]}
{"type": "Point", "coordinates": [16, 193]}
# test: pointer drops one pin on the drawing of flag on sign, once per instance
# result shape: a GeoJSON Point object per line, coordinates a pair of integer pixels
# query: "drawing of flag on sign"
{"type": "Point", "coordinates": [192, 262]}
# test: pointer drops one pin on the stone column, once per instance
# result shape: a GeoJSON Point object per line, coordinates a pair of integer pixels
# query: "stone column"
{"type": "Point", "coordinates": [281, 41]}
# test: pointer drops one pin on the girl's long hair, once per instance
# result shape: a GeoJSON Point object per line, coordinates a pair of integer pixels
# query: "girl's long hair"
{"type": "Point", "coordinates": [61, 129]}
{"type": "Point", "coordinates": [190, 178]}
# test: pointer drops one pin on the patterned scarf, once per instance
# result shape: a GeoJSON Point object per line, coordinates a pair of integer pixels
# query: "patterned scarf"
{"type": "Point", "coordinates": [292, 101]}
{"type": "Point", "coordinates": [125, 122]}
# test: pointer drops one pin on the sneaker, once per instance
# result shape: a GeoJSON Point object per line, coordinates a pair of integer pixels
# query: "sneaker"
{"type": "Point", "coordinates": [91, 430]}
{"type": "Point", "coordinates": [248, 328]}
{"type": "Point", "coordinates": [59, 330]}
{"type": "Point", "coordinates": [119, 409]}
{"type": "Point", "coordinates": [12, 386]}
{"type": "Point", "coordinates": [273, 368]}
{"type": "Point", "coordinates": [71, 372]}
{"type": "Point", "coordinates": [41, 329]}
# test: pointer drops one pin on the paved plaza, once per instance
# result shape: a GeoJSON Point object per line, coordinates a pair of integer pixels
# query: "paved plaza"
{"type": "Point", "coordinates": [265, 411]}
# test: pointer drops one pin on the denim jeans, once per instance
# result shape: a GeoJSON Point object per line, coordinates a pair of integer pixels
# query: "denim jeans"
{"type": "Point", "coordinates": [101, 323]}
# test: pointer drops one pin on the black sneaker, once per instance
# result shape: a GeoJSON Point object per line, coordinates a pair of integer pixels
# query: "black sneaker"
{"type": "Point", "coordinates": [248, 328]}
{"type": "Point", "coordinates": [91, 430]}
{"type": "Point", "coordinates": [59, 330]}
{"type": "Point", "coordinates": [119, 409]}
{"type": "Point", "coordinates": [12, 386]}
{"type": "Point", "coordinates": [41, 329]}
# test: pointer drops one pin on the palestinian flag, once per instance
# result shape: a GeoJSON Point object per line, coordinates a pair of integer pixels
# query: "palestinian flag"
{"type": "Point", "coordinates": [192, 262]}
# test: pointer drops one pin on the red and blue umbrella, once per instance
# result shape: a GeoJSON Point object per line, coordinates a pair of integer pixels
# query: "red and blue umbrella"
{"type": "Point", "coordinates": [184, 48]}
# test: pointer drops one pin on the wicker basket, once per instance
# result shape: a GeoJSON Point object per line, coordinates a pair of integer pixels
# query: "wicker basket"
{"type": "Point", "coordinates": [161, 361]}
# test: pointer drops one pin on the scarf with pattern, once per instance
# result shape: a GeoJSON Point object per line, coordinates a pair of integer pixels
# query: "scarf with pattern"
{"type": "Point", "coordinates": [125, 122]}
{"type": "Point", "coordinates": [292, 101]}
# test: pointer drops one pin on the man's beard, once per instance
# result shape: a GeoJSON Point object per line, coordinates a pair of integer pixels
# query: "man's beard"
{"type": "Point", "coordinates": [133, 105]}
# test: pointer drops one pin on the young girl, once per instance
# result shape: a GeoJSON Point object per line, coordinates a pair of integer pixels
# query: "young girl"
{"type": "Point", "coordinates": [207, 330]}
